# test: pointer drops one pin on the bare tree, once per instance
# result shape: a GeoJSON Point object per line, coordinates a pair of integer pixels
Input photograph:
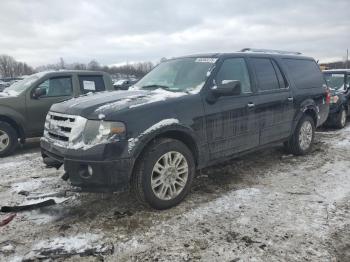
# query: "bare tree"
{"type": "Point", "coordinates": [93, 65]}
{"type": "Point", "coordinates": [9, 67]}
{"type": "Point", "coordinates": [61, 64]}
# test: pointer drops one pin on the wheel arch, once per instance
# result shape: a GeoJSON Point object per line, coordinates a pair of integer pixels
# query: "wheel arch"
{"type": "Point", "coordinates": [19, 129]}
{"type": "Point", "coordinates": [312, 113]}
{"type": "Point", "coordinates": [181, 133]}
{"type": "Point", "coordinates": [178, 132]}
{"type": "Point", "coordinates": [307, 109]}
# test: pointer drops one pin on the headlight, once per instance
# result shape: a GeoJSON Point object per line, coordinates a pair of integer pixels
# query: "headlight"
{"type": "Point", "coordinates": [334, 99]}
{"type": "Point", "coordinates": [101, 131]}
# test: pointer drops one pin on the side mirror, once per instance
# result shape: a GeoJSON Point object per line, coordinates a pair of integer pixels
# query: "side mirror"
{"type": "Point", "coordinates": [38, 92]}
{"type": "Point", "coordinates": [227, 88]}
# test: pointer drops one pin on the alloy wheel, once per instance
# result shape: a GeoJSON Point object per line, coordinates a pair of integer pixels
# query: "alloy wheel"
{"type": "Point", "coordinates": [4, 140]}
{"type": "Point", "coordinates": [169, 175]}
{"type": "Point", "coordinates": [305, 135]}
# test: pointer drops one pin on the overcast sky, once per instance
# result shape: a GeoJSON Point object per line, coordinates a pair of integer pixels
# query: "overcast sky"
{"type": "Point", "coordinates": [40, 32]}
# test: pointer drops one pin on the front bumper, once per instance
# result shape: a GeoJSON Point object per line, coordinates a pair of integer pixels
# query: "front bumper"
{"type": "Point", "coordinates": [334, 110]}
{"type": "Point", "coordinates": [100, 168]}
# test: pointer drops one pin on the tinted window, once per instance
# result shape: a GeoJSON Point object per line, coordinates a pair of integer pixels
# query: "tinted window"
{"type": "Point", "coordinates": [234, 69]}
{"type": "Point", "coordinates": [91, 84]}
{"type": "Point", "coordinates": [58, 86]}
{"type": "Point", "coordinates": [305, 73]}
{"type": "Point", "coordinates": [281, 78]}
{"type": "Point", "coordinates": [265, 73]}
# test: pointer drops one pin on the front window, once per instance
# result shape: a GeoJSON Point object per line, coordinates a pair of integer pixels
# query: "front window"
{"type": "Point", "coordinates": [58, 86]}
{"type": "Point", "coordinates": [178, 75]}
{"type": "Point", "coordinates": [335, 80]}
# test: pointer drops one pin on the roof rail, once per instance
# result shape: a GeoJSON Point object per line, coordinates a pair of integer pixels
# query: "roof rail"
{"type": "Point", "coordinates": [269, 51]}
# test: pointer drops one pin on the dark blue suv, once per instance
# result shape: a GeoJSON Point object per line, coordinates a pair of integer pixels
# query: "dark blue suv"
{"type": "Point", "coordinates": [186, 114]}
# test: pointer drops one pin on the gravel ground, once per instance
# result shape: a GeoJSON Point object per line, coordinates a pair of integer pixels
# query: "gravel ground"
{"type": "Point", "coordinates": [266, 206]}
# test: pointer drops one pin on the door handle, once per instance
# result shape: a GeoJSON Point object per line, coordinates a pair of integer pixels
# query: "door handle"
{"type": "Point", "coordinates": [251, 105]}
{"type": "Point", "coordinates": [290, 99]}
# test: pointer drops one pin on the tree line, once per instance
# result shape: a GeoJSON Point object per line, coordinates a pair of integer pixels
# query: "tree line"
{"type": "Point", "coordinates": [9, 67]}
{"type": "Point", "coordinates": [128, 70]}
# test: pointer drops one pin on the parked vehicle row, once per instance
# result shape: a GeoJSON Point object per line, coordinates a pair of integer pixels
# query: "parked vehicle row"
{"type": "Point", "coordinates": [339, 83]}
{"type": "Point", "coordinates": [25, 104]}
{"type": "Point", "coordinates": [186, 114]}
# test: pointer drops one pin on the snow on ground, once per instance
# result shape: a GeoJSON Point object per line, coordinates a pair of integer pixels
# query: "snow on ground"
{"type": "Point", "coordinates": [266, 206]}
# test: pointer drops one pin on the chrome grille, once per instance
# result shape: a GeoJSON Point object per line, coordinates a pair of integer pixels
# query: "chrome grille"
{"type": "Point", "coordinates": [63, 128]}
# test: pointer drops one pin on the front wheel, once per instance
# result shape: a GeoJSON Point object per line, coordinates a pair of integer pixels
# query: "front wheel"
{"type": "Point", "coordinates": [341, 118]}
{"type": "Point", "coordinates": [8, 139]}
{"type": "Point", "coordinates": [300, 142]}
{"type": "Point", "coordinates": [164, 174]}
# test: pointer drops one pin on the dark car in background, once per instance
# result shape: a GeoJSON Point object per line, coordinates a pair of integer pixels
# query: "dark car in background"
{"type": "Point", "coordinates": [124, 84]}
{"type": "Point", "coordinates": [3, 85]}
{"type": "Point", "coordinates": [338, 81]}
{"type": "Point", "coordinates": [6, 82]}
{"type": "Point", "coordinates": [186, 114]}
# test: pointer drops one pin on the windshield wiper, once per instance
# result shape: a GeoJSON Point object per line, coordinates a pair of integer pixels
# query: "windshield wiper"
{"type": "Point", "coordinates": [156, 86]}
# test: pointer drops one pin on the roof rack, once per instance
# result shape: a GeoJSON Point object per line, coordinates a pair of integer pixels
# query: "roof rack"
{"type": "Point", "coordinates": [269, 51]}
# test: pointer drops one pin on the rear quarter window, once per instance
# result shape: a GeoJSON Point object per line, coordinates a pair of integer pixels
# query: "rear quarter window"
{"type": "Point", "coordinates": [305, 73]}
{"type": "Point", "coordinates": [91, 83]}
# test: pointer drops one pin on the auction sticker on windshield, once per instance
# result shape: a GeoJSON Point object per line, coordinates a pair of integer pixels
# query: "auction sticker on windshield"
{"type": "Point", "coordinates": [206, 60]}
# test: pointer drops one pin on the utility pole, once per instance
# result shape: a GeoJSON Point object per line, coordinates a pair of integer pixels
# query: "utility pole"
{"type": "Point", "coordinates": [347, 58]}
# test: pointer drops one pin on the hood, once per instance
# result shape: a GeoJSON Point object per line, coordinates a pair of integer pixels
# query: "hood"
{"type": "Point", "coordinates": [94, 106]}
{"type": "Point", "coordinates": [8, 93]}
{"type": "Point", "coordinates": [338, 91]}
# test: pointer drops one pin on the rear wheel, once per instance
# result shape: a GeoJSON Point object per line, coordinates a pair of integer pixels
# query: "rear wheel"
{"type": "Point", "coordinates": [301, 141]}
{"type": "Point", "coordinates": [8, 139]}
{"type": "Point", "coordinates": [340, 121]}
{"type": "Point", "coordinates": [164, 174]}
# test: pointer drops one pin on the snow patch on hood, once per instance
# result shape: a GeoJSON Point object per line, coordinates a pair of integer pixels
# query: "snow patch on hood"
{"type": "Point", "coordinates": [159, 95]}
{"type": "Point", "coordinates": [7, 93]}
{"type": "Point", "coordinates": [117, 105]}
{"type": "Point", "coordinates": [165, 122]}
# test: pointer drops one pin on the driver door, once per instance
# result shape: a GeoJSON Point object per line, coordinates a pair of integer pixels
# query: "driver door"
{"type": "Point", "coordinates": [57, 89]}
{"type": "Point", "coordinates": [231, 123]}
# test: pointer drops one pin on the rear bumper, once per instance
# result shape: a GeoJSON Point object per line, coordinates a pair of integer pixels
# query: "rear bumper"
{"type": "Point", "coordinates": [89, 169]}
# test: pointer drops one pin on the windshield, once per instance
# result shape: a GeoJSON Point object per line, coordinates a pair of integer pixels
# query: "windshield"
{"type": "Point", "coordinates": [20, 86]}
{"type": "Point", "coordinates": [335, 80]}
{"type": "Point", "coordinates": [178, 75]}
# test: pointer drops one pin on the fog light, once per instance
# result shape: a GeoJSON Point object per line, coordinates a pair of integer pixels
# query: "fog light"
{"type": "Point", "coordinates": [90, 170]}
{"type": "Point", "coordinates": [85, 171]}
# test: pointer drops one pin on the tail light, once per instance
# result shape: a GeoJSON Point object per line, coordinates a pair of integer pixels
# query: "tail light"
{"type": "Point", "coordinates": [328, 96]}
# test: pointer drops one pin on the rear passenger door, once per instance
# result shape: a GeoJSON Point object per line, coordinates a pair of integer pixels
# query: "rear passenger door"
{"type": "Point", "coordinates": [91, 83]}
{"type": "Point", "coordinates": [230, 121]}
{"type": "Point", "coordinates": [274, 106]}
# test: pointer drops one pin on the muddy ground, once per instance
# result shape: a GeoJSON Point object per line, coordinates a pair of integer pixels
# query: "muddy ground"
{"type": "Point", "coordinates": [266, 206]}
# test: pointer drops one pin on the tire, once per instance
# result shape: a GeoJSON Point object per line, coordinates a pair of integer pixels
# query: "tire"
{"type": "Point", "coordinates": [340, 120]}
{"type": "Point", "coordinates": [298, 143]}
{"type": "Point", "coordinates": [8, 139]}
{"type": "Point", "coordinates": [179, 174]}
